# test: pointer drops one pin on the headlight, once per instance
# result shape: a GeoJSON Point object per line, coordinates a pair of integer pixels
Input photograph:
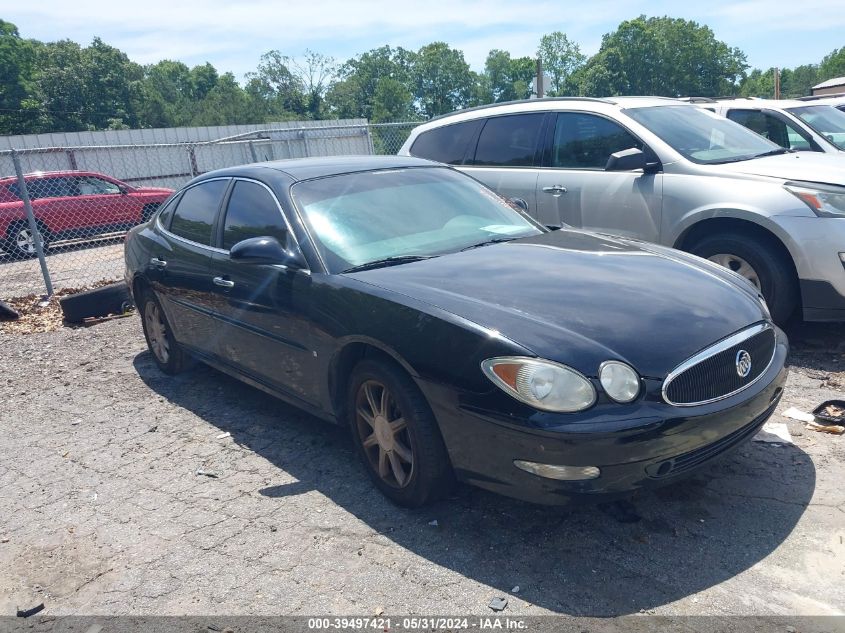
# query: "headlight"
{"type": "Point", "coordinates": [826, 201]}
{"type": "Point", "coordinates": [541, 384]}
{"type": "Point", "coordinates": [619, 381]}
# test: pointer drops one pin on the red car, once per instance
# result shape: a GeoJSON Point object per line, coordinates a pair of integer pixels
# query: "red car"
{"type": "Point", "coordinates": [71, 204]}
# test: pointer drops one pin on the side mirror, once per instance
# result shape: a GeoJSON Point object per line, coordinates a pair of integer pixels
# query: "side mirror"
{"type": "Point", "coordinates": [626, 160]}
{"type": "Point", "coordinates": [519, 202]}
{"type": "Point", "coordinates": [266, 250]}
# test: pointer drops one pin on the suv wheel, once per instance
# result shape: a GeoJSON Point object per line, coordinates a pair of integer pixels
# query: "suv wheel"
{"type": "Point", "coordinates": [760, 261]}
{"type": "Point", "coordinates": [396, 435]}
{"type": "Point", "coordinates": [20, 240]}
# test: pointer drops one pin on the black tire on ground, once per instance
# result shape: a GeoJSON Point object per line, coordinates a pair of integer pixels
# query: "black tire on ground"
{"type": "Point", "coordinates": [176, 358]}
{"type": "Point", "coordinates": [148, 211]}
{"type": "Point", "coordinates": [100, 302]}
{"type": "Point", "coordinates": [778, 282]}
{"type": "Point", "coordinates": [10, 244]}
{"type": "Point", "coordinates": [430, 475]}
{"type": "Point", "coordinates": [8, 313]}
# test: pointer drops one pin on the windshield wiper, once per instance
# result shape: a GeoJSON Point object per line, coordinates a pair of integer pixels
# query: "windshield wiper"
{"type": "Point", "coordinates": [495, 240]}
{"type": "Point", "coordinates": [387, 261]}
{"type": "Point", "coordinates": [775, 152]}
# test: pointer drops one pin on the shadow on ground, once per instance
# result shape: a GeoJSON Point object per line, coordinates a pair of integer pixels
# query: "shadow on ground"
{"type": "Point", "coordinates": [589, 560]}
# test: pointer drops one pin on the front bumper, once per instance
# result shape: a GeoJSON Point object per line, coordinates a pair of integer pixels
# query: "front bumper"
{"type": "Point", "coordinates": [815, 244]}
{"type": "Point", "coordinates": [657, 445]}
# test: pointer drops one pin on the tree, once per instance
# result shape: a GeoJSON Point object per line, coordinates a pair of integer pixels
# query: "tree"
{"type": "Point", "coordinates": [561, 58]}
{"type": "Point", "coordinates": [314, 73]}
{"type": "Point", "coordinates": [833, 65]}
{"type": "Point", "coordinates": [19, 109]}
{"type": "Point", "coordinates": [275, 84]}
{"type": "Point", "coordinates": [663, 56]}
{"type": "Point", "coordinates": [355, 93]}
{"type": "Point", "coordinates": [505, 78]}
{"type": "Point", "coordinates": [442, 80]}
{"type": "Point", "coordinates": [225, 104]}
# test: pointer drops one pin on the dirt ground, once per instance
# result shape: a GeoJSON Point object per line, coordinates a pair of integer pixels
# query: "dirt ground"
{"type": "Point", "coordinates": [103, 511]}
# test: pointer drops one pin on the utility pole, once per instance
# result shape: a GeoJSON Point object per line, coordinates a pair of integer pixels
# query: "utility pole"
{"type": "Point", "coordinates": [777, 83]}
{"type": "Point", "coordinates": [539, 78]}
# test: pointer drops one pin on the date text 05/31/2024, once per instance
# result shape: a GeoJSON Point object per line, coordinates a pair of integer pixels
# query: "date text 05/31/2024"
{"type": "Point", "coordinates": [416, 623]}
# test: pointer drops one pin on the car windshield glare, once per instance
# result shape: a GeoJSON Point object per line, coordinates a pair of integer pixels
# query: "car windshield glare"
{"type": "Point", "coordinates": [824, 119]}
{"type": "Point", "coordinates": [366, 217]}
{"type": "Point", "coordinates": [702, 136]}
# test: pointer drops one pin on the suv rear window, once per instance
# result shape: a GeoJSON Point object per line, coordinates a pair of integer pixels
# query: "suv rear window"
{"type": "Point", "coordinates": [447, 144]}
{"type": "Point", "coordinates": [509, 141]}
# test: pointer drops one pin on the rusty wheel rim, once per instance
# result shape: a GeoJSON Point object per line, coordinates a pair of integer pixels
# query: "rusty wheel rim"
{"type": "Point", "coordinates": [383, 432]}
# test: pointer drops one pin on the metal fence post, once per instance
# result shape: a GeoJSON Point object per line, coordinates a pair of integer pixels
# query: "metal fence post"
{"type": "Point", "coordinates": [33, 226]}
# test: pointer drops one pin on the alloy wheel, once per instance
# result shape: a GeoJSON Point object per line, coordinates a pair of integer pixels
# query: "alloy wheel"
{"type": "Point", "coordinates": [157, 332]}
{"type": "Point", "coordinates": [25, 241]}
{"type": "Point", "coordinates": [384, 434]}
{"type": "Point", "coordinates": [738, 265]}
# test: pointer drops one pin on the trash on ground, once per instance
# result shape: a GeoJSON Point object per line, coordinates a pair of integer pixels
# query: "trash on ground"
{"type": "Point", "coordinates": [5, 539]}
{"type": "Point", "coordinates": [498, 603]}
{"type": "Point", "coordinates": [8, 313]}
{"type": "Point", "coordinates": [208, 473]}
{"type": "Point", "coordinates": [797, 414]}
{"type": "Point", "coordinates": [222, 435]}
{"type": "Point", "coordinates": [515, 589]}
{"type": "Point", "coordinates": [152, 429]}
{"type": "Point", "coordinates": [773, 433]}
{"type": "Point", "coordinates": [830, 412]}
{"type": "Point", "coordinates": [25, 613]}
{"type": "Point", "coordinates": [433, 523]}
{"type": "Point", "coordinates": [833, 429]}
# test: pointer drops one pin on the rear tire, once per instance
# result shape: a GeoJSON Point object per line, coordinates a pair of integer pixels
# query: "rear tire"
{"type": "Point", "coordinates": [170, 357]}
{"type": "Point", "coordinates": [396, 435]}
{"type": "Point", "coordinates": [776, 277]}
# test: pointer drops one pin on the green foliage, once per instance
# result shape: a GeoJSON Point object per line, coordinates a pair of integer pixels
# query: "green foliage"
{"type": "Point", "coordinates": [561, 58]}
{"type": "Point", "coordinates": [62, 86]}
{"type": "Point", "coordinates": [662, 56]}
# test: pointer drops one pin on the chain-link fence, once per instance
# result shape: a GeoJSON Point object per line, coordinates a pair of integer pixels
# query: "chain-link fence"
{"type": "Point", "coordinates": [64, 210]}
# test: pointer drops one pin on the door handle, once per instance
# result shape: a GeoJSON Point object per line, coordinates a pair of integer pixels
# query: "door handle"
{"type": "Point", "coordinates": [223, 283]}
{"type": "Point", "coordinates": [555, 190]}
{"type": "Point", "coordinates": [158, 263]}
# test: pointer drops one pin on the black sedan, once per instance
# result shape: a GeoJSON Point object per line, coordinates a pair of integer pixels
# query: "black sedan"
{"type": "Point", "coordinates": [455, 336]}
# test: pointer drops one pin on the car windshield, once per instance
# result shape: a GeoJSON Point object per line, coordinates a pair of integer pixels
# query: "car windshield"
{"type": "Point", "coordinates": [702, 136]}
{"type": "Point", "coordinates": [824, 119]}
{"type": "Point", "coordinates": [356, 219]}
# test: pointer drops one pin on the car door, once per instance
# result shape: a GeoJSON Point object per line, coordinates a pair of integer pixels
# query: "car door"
{"type": "Point", "coordinates": [54, 204]}
{"type": "Point", "coordinates": [180, 264]}
{"type": "Point", "coordinates": [112, 206]}
{"type": "Point", "coordinates": [261, 308]}
{"type": "Point", "coordinates": [507, 155]}
{"type": "Point", "coordinates": [574, 188]}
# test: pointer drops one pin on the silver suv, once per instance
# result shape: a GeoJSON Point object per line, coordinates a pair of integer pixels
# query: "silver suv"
{"type": "Point", "coordinates": [668, 172]}
{"type": "Point", "coordinates": [798, 125]}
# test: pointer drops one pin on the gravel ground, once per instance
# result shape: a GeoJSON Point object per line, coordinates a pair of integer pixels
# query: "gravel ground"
{"type": "Point", "coordinates": [103, 512]}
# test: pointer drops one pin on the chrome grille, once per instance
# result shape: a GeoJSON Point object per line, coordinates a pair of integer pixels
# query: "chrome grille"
{"type": "Point", "coordinates": [712, 374]}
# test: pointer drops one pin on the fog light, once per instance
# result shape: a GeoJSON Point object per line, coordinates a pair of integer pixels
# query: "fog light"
{"type": "Point", "coordinates": [563, 473]}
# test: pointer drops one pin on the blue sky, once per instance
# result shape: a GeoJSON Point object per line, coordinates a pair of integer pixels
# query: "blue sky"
{"type": "Point", "coordinates": [232, 35]}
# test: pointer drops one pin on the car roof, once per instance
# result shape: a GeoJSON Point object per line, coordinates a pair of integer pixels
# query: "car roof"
{"type": "Point", "coordinates": [759, 104]}
{"type": "Point", "coordinates": [317, 167]}
{"type": "Point", "coordinates": [598, 104]}
{"type": "Point", "coordinates": [52, 174]}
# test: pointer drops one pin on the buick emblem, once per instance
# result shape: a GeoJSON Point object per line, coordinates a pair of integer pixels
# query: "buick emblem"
{"type": "Point", "coordinates": [743, 363]}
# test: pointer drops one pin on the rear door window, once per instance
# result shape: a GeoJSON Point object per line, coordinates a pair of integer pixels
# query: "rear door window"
{"type": "Point", "coordinates": [194, 216]}
{"type": "Point", "coordinates": [448, 144]}
{"type": "Point", "coordinates": [586, 141]}
{"type": "Point", "coordinates": [55, 187]}
{"type": "Point", "coordinates": [252, 212]}
{"type": "Point", "coordinates": [509, 141]}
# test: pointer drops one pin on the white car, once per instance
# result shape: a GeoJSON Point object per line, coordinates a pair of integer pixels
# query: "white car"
{"type": "Point", "coordinates": [809, 126]}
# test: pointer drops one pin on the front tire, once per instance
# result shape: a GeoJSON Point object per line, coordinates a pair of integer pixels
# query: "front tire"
{"type": "Point", "coordinates": [759, 260]}
{"type": "Point", "coordinates": [168, 355]}
{"type": "Point", "coordinates": [396, 435]}
{"type": "Point", "coordinates": [20, 241]}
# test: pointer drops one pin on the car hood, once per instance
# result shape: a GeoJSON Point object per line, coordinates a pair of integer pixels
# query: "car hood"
{"type": "Point", "coordinates": [808, 166]}
{"type": "Point", "coordinates": [581, 298]}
